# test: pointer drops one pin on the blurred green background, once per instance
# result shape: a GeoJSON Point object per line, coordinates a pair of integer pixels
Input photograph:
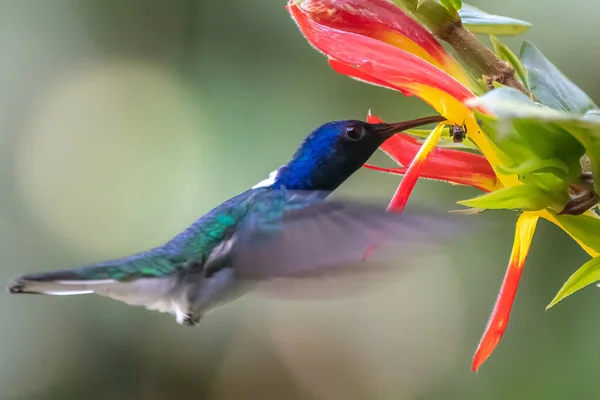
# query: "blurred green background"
{"type": "Point", "coordinates": [121, 122]}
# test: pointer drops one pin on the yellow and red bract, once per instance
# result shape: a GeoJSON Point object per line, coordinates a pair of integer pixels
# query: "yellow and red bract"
{"type": "Point", "coordinates": [497, 325]}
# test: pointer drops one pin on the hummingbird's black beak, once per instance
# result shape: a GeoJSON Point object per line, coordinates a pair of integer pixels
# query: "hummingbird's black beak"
{"type": "Point", "coordinates": [387, 130]}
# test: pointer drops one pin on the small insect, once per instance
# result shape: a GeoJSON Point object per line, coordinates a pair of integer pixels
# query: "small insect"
{"type": "Point", "coordinates": [458, 133]}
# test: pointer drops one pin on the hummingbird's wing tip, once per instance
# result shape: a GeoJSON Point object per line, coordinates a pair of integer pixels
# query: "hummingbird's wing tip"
{"type": "Point", "coordinates": [323, 235]}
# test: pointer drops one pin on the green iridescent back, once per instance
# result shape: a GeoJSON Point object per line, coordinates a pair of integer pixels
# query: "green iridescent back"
{"type": "Point", "coordinates": [189, 248]}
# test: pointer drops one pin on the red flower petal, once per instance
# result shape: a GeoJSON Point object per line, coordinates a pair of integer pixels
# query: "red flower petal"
{"type": "Point", "coordinates": [378, 62]}
{"type": "Point", "coordinates": [386, 22]}
{"type": "Point", "coordinates": [501, 313]}
{"type": "Point", "coordinates": [483, 183]}
{"type": "Point", "coordinates": [354, 73]}
{"type": "Point", "coordinates": [454, 166]}
{"type": "Point", "coordinates": [377, 19]}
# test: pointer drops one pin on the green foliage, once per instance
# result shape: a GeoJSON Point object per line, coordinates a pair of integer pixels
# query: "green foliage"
{"type": "Point", "coordinates": [479, 21]}
{"type": "Point", "coordinates": [550, 86]}
{"type": "Point", "coordinates": [584, 227]}
{"type": "Point", "coordinates": [524, 152]}
{"type": "Point", "coordinates": [451, 5]}
{"type": "Point", "coordinates": [549, 132]}
{"type": "Point", "coordinates": [504, 53]}
{"type": "Point", "coordinates": [541, 143]}
{"type": "Point", "coordinates": [588, 273]}
{"type": "Point", "coordinates": [548, 140]}
{"type": "Point", "coordinates": [552, 166]}
{"type": "Point", "coordinates": [522, 197]}
{"type": "Point", "coordinates": [505, 140]}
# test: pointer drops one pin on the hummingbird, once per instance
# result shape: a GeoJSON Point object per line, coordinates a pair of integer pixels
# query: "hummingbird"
{"type": "Point", "coordinates": [281, 227]}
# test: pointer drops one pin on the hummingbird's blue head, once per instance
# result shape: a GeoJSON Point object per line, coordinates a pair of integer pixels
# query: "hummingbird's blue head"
{"type": "Point", "coordinates": [335, 150]}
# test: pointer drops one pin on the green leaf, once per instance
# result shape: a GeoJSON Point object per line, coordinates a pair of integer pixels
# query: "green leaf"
{"type": "Point", "coordinates": [590, 138]}
{"type": "Point", "coordinates": [534, 165]}
{"type": "Point", "coordinates": [588, 273]}
{"type": "Point", "coordinates": [507, 55]}
{"type": "Point", "coordinates": [583, 227]}
{"type": "Point", "coordinates": [479, 21]}
{"type": "Point", "coordinates": [505, 140]}
{"type": "Point", "coordinates": [546, 132]}
{"type": "Point", "coordinates": [549, 140]}
{"type": "Point", "coordinates": [530, 134]}
{"type": "Point", "coordinates": [451, 5]}
{"type": "Point", "coordinates": [522, 197]}
{"type": "Point", "coordinates": [512, 150]}
{"type": "Point", "coordinates": [550, 86]}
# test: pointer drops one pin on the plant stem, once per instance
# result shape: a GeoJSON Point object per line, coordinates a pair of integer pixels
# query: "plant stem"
{"type": "Point", "coordinates": [447, 26]}
{"type": "Point", "coordinates": [478, 56]}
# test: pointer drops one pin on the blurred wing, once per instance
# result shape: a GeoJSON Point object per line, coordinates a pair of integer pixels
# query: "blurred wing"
{"type": "Point", "coordinates": [327, 237]}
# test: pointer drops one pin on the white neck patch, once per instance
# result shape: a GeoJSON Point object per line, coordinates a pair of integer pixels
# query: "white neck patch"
{"type": "Point", "coordinates": [267, 182]}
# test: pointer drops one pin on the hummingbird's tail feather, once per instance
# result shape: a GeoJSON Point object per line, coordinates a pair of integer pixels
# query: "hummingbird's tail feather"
{"type": "Point", "coordinates": [160, 294]}
{"type": "Point", "coordinates": [58, 283]}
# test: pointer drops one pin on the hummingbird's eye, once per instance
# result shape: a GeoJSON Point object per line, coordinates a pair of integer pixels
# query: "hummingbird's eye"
{"type": "Point", "coordinates": [355, 132]}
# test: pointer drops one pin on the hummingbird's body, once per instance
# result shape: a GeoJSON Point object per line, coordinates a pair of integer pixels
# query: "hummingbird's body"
{"type": "Point", "coordinates": [282, 227]}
